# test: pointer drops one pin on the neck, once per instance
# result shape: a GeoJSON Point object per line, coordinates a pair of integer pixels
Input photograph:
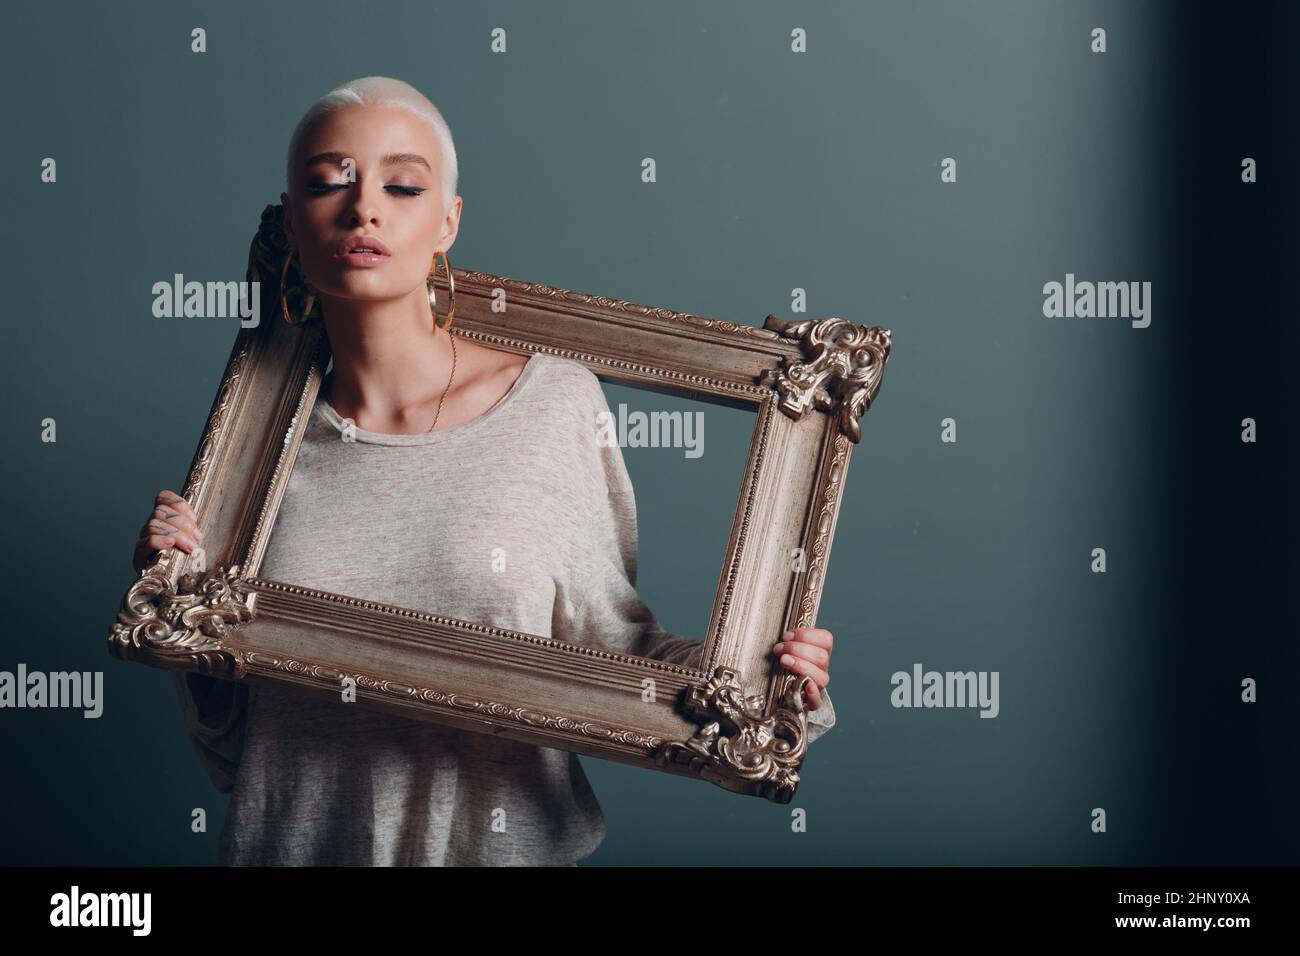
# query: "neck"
{"type": "Point", "coordinates": [388, 358]}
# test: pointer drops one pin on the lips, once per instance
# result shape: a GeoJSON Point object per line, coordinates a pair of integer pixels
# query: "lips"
{"type": "Point", "coordinates": [361, 246]}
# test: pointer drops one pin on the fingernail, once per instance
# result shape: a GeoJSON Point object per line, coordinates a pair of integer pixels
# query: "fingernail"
{"type": "Point", "coordinates": [787, 659]}
{"type": "Point", "coordinates": [788, 636]}
{"type": "Point", "coordinates": [776, 648]}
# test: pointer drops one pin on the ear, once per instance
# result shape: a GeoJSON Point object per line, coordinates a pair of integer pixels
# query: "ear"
{"type": "Point", "coordinates": [451, 224]}
{"type": "Point", "coordinates": [288, 215]}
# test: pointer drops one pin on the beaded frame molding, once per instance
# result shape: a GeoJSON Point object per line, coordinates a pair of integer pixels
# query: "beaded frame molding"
{"type": "Point", "coordinates": [738, 721]}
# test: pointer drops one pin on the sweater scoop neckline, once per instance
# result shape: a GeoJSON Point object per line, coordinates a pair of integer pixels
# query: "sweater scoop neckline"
{"type": "Point", "coordinates": [327, 412]}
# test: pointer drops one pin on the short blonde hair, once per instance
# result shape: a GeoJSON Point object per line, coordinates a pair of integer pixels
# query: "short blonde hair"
{"type": "Point", "coordinates": [381, 91]}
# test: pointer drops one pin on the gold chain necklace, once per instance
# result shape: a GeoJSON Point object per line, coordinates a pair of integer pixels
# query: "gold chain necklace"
{"type": "Point", "coordinates": [449, 381]}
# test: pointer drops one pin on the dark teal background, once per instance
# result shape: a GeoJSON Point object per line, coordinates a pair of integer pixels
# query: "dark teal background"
{"type": "Point", "coordinates": [775, 171]}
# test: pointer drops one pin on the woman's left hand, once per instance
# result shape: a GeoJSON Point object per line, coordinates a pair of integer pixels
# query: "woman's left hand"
{"type": "Point", "coordinates": [806, 651]}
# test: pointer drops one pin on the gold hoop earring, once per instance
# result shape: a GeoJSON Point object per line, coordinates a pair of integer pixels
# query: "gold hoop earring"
{"type": "Point", "coordinates": [303, 287]}
{"type": "Point", "coordinates": [433, 294]}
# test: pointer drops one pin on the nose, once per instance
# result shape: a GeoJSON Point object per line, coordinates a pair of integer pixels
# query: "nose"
{"type": "Point", "coordinates": [363, 210]}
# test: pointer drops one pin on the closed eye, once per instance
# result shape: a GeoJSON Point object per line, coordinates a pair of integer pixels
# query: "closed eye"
{"type": "Point", "coordinates": [322, 189]}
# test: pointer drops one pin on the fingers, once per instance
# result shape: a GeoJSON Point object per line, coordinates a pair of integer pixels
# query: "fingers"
{"type": "Point", "coordinates": [176, 503]}
{"type": "Point", "coordinates": [804, 668]}
{"type": "Point", "coordinates": [174, 523]}
{"type": "Point", "coordinates": [148, 546]}
{"type": "Point", "coordinates": [160, 534]}
{"type": "Point", "coordinates": [166, 516]}
{"type": "Point", "coordinates": [807, 654]}
{"type": "Point", "coordinates": [817, 636]}
{"type": "Point", "coordinates": [174, 516]}
{"type": "Point", "coordinates": [812, 644]}
{"type": "Point", "coordinates": [812, 693]}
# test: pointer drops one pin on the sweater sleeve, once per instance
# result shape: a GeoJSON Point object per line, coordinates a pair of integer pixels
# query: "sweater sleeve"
{"type": "Point", "coordinates": [213, 711]}
{"type": "Point", "coordinates": [604, 608]}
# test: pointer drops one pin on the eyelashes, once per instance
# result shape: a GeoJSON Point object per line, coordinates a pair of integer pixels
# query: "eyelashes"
{"type": "Point", "coordinates": [324, 189]}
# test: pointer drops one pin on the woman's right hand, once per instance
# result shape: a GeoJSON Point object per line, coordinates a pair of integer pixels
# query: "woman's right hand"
{"type": "Point", "coordinates": [173, 522]}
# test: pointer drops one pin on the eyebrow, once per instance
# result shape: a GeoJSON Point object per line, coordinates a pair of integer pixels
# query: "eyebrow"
{"type": "Point", "coordinates": [389, 159]}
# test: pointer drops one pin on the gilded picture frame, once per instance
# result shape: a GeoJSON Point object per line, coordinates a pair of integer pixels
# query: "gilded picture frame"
{"type": "Point", "coordinates": [738, 721]}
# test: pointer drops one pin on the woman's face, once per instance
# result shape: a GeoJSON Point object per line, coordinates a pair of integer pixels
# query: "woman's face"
{"type": "Point", "coordinates": [386, 193]}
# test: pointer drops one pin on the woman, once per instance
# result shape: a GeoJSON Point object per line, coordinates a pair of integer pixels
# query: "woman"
{"type": "Point", "coordinates": [438, 474]}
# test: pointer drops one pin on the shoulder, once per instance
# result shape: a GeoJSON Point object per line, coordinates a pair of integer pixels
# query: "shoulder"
{"type": "Point", "coordinates": [563, 369]}
{"type": "Point", "coordinates": [570, 383]}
